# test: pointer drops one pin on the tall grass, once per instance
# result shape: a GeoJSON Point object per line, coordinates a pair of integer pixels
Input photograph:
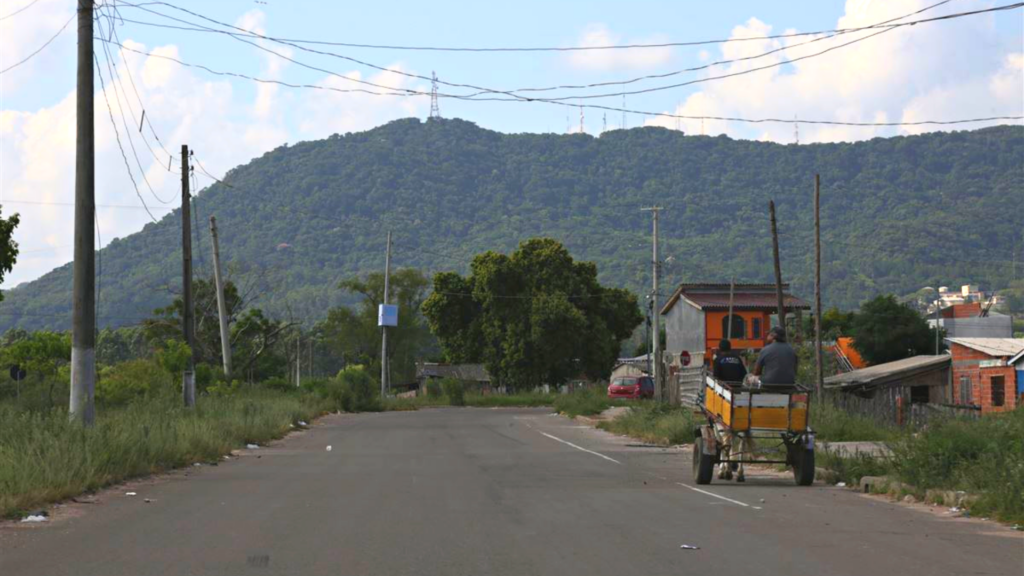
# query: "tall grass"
{"type": "Point", "coordinates": [585, 402]}
{"type": "Point", "coordinates": [834, 424]}
{"type": "Point", "coordinates": [983, 457]}
{"type": "Point", "coordinates": [655, 423]}
{"type": "Point", "coordinates": [44, 458]}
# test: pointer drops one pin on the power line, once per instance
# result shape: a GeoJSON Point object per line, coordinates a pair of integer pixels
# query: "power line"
{"type": "Point", "coordinates": [120, 206]}
{"type": "Point", "coordinates": [40, 49]}
{"type": "Point", "coordinates": [624, 110]}
{"type": "Point", "coordinates": [117, 135]}
{"type": "Point", "coordinates": [115, 80]}
{"type": "Point", "coordinates": [548, 48]}
{"type": "Point", "coordinates": [19, 10]}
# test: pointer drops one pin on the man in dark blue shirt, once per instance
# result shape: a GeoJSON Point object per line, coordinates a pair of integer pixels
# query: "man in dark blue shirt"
{"type": "Point", "coordinates": [728, 366]}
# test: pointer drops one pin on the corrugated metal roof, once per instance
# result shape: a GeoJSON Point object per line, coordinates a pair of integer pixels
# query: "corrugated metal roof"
{"type": "Point", "coordinates": [997, 347]}
{"type": "Point", "coordinates": [889, 371]}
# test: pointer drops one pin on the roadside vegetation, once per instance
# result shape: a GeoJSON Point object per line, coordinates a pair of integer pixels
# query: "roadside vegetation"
{"type": "Point", "coordinates": [585, 402]}
{"type": "Point", "coordinates": [655, 424]}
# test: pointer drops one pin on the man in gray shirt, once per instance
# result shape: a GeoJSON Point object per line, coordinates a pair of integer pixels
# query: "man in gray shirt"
{"type": "Point", "coordinates": [777, 362]}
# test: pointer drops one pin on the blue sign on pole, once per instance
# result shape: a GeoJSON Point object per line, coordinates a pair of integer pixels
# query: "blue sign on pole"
{"type": "Point", "coordinates": [387, 315]}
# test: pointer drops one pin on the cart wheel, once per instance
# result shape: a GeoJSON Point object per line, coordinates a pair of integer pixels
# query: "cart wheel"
{"type": "Point", "coordinates": [703, 464]}
{"type": "Point", "coordinates": [803, 466]}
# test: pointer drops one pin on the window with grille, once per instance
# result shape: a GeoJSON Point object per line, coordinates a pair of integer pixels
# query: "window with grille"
{"type": "Point", "coordinates": [755, 329]}
{"type": "Point", "coordinates": [739, 327]}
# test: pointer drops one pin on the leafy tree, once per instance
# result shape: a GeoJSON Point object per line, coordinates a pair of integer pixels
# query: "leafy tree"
{"type": "Point", "coordinates": [885, 331]}
{"type": "Point", "coordinates": [835, 323]}
{"type": "Point", "coordinates": [533, 317]}
{"type": "Point", "coordinates": [8, 247]}
{"type": "Point", "coordinates": [174, 357]}
{"type": "Point", "coordinates": [167, 323]}
{"type": "Point", "coordinates": [258, 346]}
{"type": "Point", "coordinates": [43, 353]}
{"type": "Point", "coordinates": [355, 333]}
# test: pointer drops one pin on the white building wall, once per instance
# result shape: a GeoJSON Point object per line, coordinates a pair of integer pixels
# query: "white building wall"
{"type": "Point", "coordinates": [684, 329]}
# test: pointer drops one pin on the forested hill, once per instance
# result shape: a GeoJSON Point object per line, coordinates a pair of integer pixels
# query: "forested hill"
{"type": "Point", "coordinates": [897, 214]}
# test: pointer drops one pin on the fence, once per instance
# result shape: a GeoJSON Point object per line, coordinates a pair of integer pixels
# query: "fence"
{"type": "Point", "coordinates": [891, 407]}
{"type": "Point", "coordinates": [688, 382]}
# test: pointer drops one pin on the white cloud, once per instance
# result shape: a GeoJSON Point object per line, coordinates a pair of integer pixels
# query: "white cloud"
{"type": "Point", "coordinates": [930, 71]}
{"type": "Point", "coordinates": [225, 127]}
{"type": "Point", "coordinates": [24, 33]}
{"type": "Point", "coordinates": [604, 60]}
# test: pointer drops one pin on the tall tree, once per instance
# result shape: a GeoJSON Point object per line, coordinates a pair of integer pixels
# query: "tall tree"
{"type": "Point", "coordinates": [355, 333]}
{"type": "Point", "coordinates": [533, 317]}
{"type": "Point", "coordinates": [885, 330]}
{"type": "Point", "coordinates": [166, 323]}
{"type": "Point", "coordinates": [8, 247]}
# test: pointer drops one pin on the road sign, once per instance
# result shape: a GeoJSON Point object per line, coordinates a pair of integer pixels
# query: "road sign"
{"type": "Point", "coordinates": [684, 358]}
{"type": "Point", "coordinates": [17, 372]}
{"type": "Point", "coordinates": [387, 315]}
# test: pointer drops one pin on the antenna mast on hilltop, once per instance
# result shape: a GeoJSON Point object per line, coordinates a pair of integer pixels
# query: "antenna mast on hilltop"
{"type": "Point", "coordinates": [435, 110]}
{"type": "Point", "coordinates": [581, 119]}
{"type": "Point", "coordinates": [796, 130]}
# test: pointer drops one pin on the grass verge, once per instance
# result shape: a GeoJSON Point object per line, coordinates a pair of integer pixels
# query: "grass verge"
{"type": "Point", "coordinates": [44, 458]}
{"type": "Point", "coordinates": [522, 400]}
{"type": "Point", "coordinates": [585, 402]}
{"type": "Point", "coordinates": [834, 424]}
{"type": "Point", "coordinates": [655, 424]}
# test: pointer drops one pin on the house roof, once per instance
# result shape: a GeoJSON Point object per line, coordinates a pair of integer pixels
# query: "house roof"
{"type": "Point", "coordinates": [468, 372]}
{"type": "Point", "coordinates": [637, 361]}
{"type": "Point", "coordinates": [1016, 358]}
{"type": "Point", "coordinates": [888, 372]}
{"type": "Point", "coordinates": [745, 297]}
{"type": "Point", "coordinates": [996, 347]}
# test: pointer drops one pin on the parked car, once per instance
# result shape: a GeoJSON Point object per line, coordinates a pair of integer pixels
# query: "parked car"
{"type": "Point", "coordinates": [632, 387]}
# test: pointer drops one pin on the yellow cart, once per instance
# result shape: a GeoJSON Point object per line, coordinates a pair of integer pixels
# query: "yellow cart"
{"type": "Point", "coordinates": [763, 413]}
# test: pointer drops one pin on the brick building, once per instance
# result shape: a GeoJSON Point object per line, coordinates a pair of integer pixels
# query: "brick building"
{"type": "Point", "coordinates": [983, 374]}
{"type": "Point", "coordinates": [973, 320]}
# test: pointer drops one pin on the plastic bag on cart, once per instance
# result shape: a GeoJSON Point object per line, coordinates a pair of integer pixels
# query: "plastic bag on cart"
{"type": "Point", "coordinates": [752, 381]}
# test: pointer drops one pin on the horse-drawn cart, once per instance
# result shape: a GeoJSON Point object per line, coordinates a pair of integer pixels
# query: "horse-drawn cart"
{"type": "Point", "coordinates": [746, 421]}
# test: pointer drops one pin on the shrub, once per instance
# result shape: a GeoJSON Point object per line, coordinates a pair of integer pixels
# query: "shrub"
{"type": "Point", "coordinates": [121, 383]}
{"type": "Point", "coordinates": [585, 402]}
{"type": "Point", "coordinates": [278, 384]}
{"type": "Point", "coordinates": [655, 423]}
{"type": "Point", "coordinates": [434, 389]}
{"type": "Point", "coordinates": [455, 391]}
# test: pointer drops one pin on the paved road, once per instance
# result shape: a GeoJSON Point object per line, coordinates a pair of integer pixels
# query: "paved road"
{"type": "Point", "coordinates": [480, 492]}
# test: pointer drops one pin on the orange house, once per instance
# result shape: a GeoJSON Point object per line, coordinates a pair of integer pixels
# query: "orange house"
{"type": "Point", "coordinates": [695, 316]}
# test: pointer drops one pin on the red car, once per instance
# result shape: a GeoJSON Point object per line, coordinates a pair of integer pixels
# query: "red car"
{"type": "Point", "coordinates": [632, 387]}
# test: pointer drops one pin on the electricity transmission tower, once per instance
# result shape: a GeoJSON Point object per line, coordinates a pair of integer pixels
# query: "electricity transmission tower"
{"type": "Point", "coordinates": [435, 110]}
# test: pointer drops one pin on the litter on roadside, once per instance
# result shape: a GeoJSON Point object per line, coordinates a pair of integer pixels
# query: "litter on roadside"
{"type": "Point", "coordinates": [252, 446]}
{"type": "Point", "coordinates": [328, 447]}
{"type": "Point", "coordinates": [689, 547]}
{"type": "Point", "coordinates": [197, 464]}
{"type": "Point", "coordinates": [130, 494]}
{"type": "Point", "coordinates": [841, 485]}
{"type": "Point", "coordinates": [301, 423]}
{"type": "Point", "coordinates": [34, 518]}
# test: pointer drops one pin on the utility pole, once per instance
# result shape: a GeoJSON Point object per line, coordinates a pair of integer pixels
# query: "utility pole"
{"type": "Point", "coordinates": [732, 291]}
{"type": "Point", "coordinates": [188, 384]}
{"type": "Point", "coordinates": [298, 360]}
{"type": "Point", "coordinates": [656, 310]}
{"type": "Point", "coordinates": [385, 373]}
{"type": "Point", "coordinates": [778, 267]}
{"type": "Point", "coordinates": [82, 406]}
{"type": "Point", "coordinates": [938, 306]}
{"type": "Point", "coordinates": [222, 307]}
{"type": "Point", "coordinates": [817, 284]}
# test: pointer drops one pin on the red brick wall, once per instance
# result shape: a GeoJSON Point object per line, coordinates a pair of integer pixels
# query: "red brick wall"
{"type": "Point", "coordinates": [963, 310]}
{"type": "Point", "coordinates": [965, 362]}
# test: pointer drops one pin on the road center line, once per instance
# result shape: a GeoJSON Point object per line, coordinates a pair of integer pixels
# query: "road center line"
{"type": "Point", "coordinates": [745, 505]}
{"type": "Point", "coordinates": [598, 454]}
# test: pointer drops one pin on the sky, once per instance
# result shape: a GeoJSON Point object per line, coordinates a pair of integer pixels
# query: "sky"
{"type": "Point", "coordinates": [950, 70]}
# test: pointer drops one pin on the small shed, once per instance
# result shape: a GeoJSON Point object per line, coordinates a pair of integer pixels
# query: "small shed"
{"type": "Point", "coordinates": [886, 392]}
{"type": "Point", "coordinates": [630, 367]}
{"type": "Point", "coordinates": [474, 375]}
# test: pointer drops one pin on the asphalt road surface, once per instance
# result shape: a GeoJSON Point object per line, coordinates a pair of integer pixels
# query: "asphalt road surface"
{"type": "Point", "coordinates": [480, 492]}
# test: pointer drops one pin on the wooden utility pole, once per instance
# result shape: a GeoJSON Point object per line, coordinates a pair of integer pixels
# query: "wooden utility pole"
{"type": "Point", "coordinates": [298, 360]}
{"type": "Point", "coordinates": [778, 267]}
{"type": "Point", "coordinates": [385, 373]}
{"type": "Point", "coordinates": [83, 313]}
{"type": "Point", "coordinates": [222, 307]}
{"type": "Point", "coordinates": [188, 384]}
{"type": "Point", "coordinates": [820, 381]}
{"type": "Point", "coordinates": [659, 388]}
{"type": "Point", "coordinates": [732, 290]}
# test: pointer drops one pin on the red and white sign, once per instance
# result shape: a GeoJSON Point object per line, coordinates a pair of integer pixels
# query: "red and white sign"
{"type": "Point", "coordinates": [684, 358]}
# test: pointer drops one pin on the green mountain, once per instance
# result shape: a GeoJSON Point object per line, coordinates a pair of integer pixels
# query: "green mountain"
{"type": "Point", "coordinates": [897, 214]}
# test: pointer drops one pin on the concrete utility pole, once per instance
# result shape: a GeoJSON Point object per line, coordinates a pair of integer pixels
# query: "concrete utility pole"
{"type": "Point", "coordinates": [298, 360]}
{"type": "Point", "coordinates": [820, 381]}
{"type": "Point", "coordinates": [83, 315]}
{"type": "Point", "coordinates": [659, 389]}
{"type": "Point", "coordinates": [778, 267]}
{"type": "Point", "coordinates": [222, 307]}
{"type": "Point", "coordinates": [385, 373]}
{"type": "Point", "coordinates": [188, 384]}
